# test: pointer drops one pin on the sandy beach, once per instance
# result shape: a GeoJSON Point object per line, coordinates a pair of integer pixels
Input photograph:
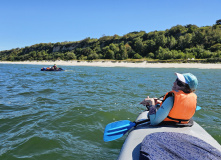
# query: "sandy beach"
{"type": "Point", "coordinates": [120, 64]}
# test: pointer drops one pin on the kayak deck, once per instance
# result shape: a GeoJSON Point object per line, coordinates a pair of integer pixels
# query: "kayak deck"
{"type": "Point", "coordinates": [131, 147]}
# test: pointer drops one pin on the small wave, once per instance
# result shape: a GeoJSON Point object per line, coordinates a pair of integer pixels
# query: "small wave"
{"type": "Point", "coordinates": [47, 91]}
{"type": "Point", "coordinates": [43, 100]}
{"type": "Point", "coordinates": [28, 93]}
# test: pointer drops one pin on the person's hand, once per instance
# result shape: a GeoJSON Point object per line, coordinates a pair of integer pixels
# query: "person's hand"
{"type": "Point", "coordinates": [149, 101]}
{"type": "Point", "coordinates": [157, 101]}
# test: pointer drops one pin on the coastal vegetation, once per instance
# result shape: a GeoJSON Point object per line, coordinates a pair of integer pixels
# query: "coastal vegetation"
{"type": "Point", "coordinates": [177, 43]}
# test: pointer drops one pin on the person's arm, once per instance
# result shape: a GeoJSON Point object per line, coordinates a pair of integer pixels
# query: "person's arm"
{"type": "Point", "coordinates": [158, 116]}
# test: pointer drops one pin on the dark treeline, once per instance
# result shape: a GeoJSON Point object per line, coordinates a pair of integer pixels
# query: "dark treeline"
{"type": "Point", "coordinates": [178, 42]}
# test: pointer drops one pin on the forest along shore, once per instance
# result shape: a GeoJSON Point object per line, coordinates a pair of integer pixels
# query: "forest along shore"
{"type": "Point", "coordinates": [139, 64]}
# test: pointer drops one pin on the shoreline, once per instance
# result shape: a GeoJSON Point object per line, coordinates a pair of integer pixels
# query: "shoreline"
{"type": "Point", "coordinates": [143, 64]}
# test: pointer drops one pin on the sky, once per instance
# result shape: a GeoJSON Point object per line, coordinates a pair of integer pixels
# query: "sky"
{"type": "Point", "coordinates": [28, 22]}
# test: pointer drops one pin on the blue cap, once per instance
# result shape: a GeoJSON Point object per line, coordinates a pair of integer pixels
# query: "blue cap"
{"type": "Point", "coordinates": [189, 79]}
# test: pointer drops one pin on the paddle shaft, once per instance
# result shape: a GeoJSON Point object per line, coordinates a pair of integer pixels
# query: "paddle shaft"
{"type": "Point", "coordinates": [140, 122]}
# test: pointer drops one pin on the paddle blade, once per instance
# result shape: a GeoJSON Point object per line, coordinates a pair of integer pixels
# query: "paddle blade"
{"type": "Point", "coordinates": [117, 129]}
{"type": "Point", "coordinates": [198, 108]}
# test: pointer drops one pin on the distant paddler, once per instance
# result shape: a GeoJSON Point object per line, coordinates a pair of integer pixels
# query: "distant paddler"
{"type": "Point", "coordinates": [54, 67]}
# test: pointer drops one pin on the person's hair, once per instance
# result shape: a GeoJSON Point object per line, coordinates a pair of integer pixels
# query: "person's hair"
{"type": "Point", "coordinates": [185, 87]}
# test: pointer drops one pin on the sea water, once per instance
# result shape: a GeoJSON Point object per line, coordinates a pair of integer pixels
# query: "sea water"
{"type": "Point", "coordinates": [62, 115]}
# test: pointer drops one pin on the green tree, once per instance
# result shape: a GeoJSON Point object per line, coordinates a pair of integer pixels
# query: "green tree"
{"type": "Point", "coordinates": [177, 30]}
{"type": "Point", "coordinates": [188, 40]}
{"type": "Point", "coordinates": [70, 56]}
{"type": "Point", "coordinates": [177, 54]}
{"type": "Point", "coordinates": [138, 45]}
{"type": "Point", "coordinates": [39, 56]}
{"type": "Point", "coordinates": [129, 50]}
{"type": "Point", "coordinates": [137, 56]}
{"type": "Point", "coordinates": [114, 48]}
{"type": "Point", "coordinates": [216, 47]}
{"type": "Point", "coordinates": [181, 42]}
{"type": "Point", "coordinates": [11, 58]}
{"type": "Point", "coordinates": [149, 46]}
{"type": "Point", "coordinates": [82, 57]}
{"type": "Point", "coordinates": [160, 53]}
{"type": "Point", "coordinates": [191, 28]}
{"type": "Point", "coordinates": [122, 52]}
{"type": "Point", "coordinates": [150, 55]}
{"type": "Point", "coordinates": [198, 38]}
{"type": "Point", "coordinates": [218, 22]}
{"type": "Point", "coordinates": [161, 41]}
{"type": "Point", "coordinates": [92, 56]}
{"type": "Point", "coordinates": [86, 51]}
{"type": "Point", "coordinates": [171, 42]}
{"type": "Point", "coordinates": [109, 54]}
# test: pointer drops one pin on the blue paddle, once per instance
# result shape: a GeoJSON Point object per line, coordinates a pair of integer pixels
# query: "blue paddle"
{"type": "Point", "coordinates": [117, 129]}
{"type": "Point", "coordinates": [198, 108]}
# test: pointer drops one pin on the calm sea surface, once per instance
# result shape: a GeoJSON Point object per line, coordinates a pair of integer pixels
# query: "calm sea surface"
{"type": "Point", "coordinates": [62, 115]}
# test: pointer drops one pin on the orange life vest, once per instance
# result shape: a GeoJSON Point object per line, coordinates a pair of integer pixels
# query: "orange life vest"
{"type": "Point", "coordinates": [184, 106]}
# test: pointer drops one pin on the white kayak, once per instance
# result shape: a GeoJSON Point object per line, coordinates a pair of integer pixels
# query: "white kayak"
{"type": "Point", "coordinates": [131, 147]}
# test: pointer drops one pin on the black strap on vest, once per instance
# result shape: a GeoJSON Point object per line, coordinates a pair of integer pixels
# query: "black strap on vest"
{"type": "Point", "coordinates": [179, 120]}
{"type": "Point", "coordinates": [168, 95]}
{"type": "Point", "coordinates": [173, 123]}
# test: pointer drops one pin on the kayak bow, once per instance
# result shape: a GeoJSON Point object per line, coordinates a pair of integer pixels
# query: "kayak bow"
{"type": "Point", "coordinates": [131, 148]}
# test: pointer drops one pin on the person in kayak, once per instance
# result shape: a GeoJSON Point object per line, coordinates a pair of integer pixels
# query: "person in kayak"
{"type": "Point", "coordinates": [55, 67]}
{"type": "Point", "coordinates": [178, 105]}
